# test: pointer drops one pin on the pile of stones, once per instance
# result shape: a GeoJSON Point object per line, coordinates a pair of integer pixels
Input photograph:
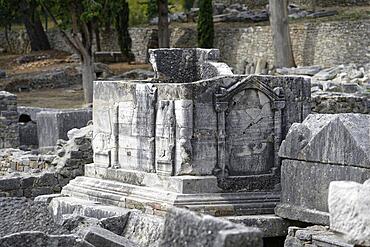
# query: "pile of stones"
{"type": "Point", "coordinates": [241, 13]}
{"type": "Point", "coordinates": [339, 89]}
{"type": "Point", "coordinates": [12, 160]}
{"type": "Point", "coordinates": [30, 174]}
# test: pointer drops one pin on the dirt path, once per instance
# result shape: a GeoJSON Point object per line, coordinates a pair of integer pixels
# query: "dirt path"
{"type": "Point", "coordinates": [62, 98]}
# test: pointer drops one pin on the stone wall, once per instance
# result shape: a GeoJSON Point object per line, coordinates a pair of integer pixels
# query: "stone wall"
{"type": "Point", "coordinates": [327, 3]}
{"type": "Point", "coordinates": [326, 44]}
{"type": "Point", "coordinates": [15, 160]}
{"type": "Point", "coordinates": [321, 43]}
{"type": "Point", "coordinates": [9, 132]}
{"type": "Point", "coordinates": [45, 174]}
{"type": "Point", "coordinates": [329, 103]}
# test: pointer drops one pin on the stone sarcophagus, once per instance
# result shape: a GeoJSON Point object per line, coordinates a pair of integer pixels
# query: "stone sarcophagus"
{"type": "Point", "coordinates": [197, 136]}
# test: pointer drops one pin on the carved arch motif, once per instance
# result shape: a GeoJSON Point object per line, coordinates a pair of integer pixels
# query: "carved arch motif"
{"type": "Point", "coordinates": [223, 99]}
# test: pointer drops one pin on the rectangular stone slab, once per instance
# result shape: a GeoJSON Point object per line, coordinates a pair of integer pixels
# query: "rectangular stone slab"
{"type": "Point", "coordinates": [305, 188]}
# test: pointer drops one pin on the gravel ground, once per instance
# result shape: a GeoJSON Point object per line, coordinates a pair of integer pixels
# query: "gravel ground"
{"type": "Point", "coordinates": [22, 214]}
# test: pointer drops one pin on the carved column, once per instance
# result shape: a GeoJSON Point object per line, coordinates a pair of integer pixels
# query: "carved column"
{"type": "Point", "coordinates": [220, 168]}
{"type": "Point", "coordinates": [278, 122]}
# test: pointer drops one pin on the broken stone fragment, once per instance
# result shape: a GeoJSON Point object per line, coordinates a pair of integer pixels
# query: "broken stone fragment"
{"type": "Point", "coordinates": [349, 208]}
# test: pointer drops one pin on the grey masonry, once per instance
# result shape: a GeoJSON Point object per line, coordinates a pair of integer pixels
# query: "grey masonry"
{"type": "Point", "coordinates": [207, 141]}
{"type": "Point", "coordinates": [324, 148]}
{"type": "Point", "coordinates": [9, 134]}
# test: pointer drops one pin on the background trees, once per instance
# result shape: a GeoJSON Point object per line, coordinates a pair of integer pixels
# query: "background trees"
{"type": "Point", "coordinates": [28, 11]}
{"type": "Point", "coordinates": [205, 24]}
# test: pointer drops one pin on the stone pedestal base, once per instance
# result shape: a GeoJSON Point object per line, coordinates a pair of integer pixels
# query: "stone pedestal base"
{"type": "Point", "coordinates": [146, 192]}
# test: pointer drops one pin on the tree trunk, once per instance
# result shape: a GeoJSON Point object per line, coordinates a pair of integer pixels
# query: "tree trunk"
{"type": "Point", "coordinates": [10, 45]}
{"type": "Point", "coordinates": [280, 33]}
{"type": "Point", "coordinates": [88, 78]}
{"type": "Point", "coordinates": [97, 39]}
{"type": "Point", "coordinates": [205, 27]}
{"type": "Point", "coordinates": [35, 31]}
{"type": "Point", "coordinates": [163, 31]}
{"type": "Point", "coordinates": [124, 39]}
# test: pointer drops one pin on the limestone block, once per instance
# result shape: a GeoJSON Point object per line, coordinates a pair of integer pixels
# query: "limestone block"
{"type": "Point", "coordinates": [349, 208]}
{"type": "Point", "coordinates": [137, 153]}
{"type": "Point", "coordinates": [165, 137]}
{"type": "Point", "coordinates": [335, 139]}
{"type": "Point", "coordinates": [185, 228]}
{"type": "Point", "coordinates": [187, 65]}
{"type": "Point", "coordinates": [184, 135]}
{"type": "Point", "coordinates": [54, 125]}
{"type": "Point", "coordinates": [98, 236]}
{"type": "Point", "coordinates": [145, 230]}
{"type": "Point", "coordinates": [305, 188]}
{"type": "Point", "coordinates": [270, 225]}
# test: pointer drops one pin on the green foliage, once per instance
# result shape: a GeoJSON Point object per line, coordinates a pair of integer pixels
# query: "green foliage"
{"type": "Point", "coordinates": [143, 10]}
{"type": "Point", "coordinates": [138, 12]}
{"type": "Point", "coordinates": [205, 24]}
{"type": "Point", "coordinates": [152, 9]}
{"type": "Point", "coordinates": [188, 4]}
{"type": "Point", "coordinates": [8, 13]}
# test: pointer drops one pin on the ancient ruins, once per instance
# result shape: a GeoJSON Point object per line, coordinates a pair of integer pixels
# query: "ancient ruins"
{"type": "Point", "coordinates": [118, 130]}
{"type": "Point", "coordinates": [193, 156]}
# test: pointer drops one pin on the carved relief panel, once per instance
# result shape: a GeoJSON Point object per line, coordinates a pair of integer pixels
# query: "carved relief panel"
{"type": "Point", "coordinates": [249, 129]}
{"type": "Point", "coordinates": [249, 123]}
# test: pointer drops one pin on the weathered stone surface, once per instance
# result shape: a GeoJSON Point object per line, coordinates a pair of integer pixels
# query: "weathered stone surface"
{"type": "Point", "coordinates": [40, 239]}
{"type": "Point", "coordinates": [307, 201]}
{"type": "Point", "coordinates": [310, 70]}
{"type": "Point", "coordinates": [68, 205]}
{"type": "Point", "coordinates": [270, 225]}
{"type": "Point", "coordinates": [314, 236]}
{"type": "Point", "coordinates": [47, 198]}
{"type": "Point", "coordinates": [115, 224]}
{"type": "Point", "coordinates": [349, 208]}
{"type": "Point", "coordinates": [144, 230]}
{"type": "Point", "coordinates": [155, 200]}
{"type": "Point", "coordinates": [100, 237]}
{"type": "Point", "coordinates": [29, 185]}
{"type": "Point", "coordinates": [326, 74]}
{"type": "Point", "coordinates": [146, 131]}
{"type": "Point", "coordinates": [335, 139]}
{"type": "Point", "coordinates": [184, 228]}
{"type": "Point", "coordinates": [54, 125]}
{"type": "Point", "coordinates": [187, 65]}
{"type": "Point", "coordinates": [334, 102]}
{"type": "Point", "coordinates": [9, 131]}
{"type": "Point", "coordinates": [73, 155]}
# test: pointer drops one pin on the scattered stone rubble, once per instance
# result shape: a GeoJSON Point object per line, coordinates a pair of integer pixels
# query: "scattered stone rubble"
{"type": "Point", "coordinates": [314, 236]}
{"type": "Point", "coordinates": [241, 13]}
{"type": "Point", "coordinates": [30, 174]}
{"type": "Point", "coordinates": [16, 160]}
{"type": "Point", "coordinates": [101, 225]}
{"type": "Point", "coordinates": [340, 89]}
{"type": "Point", "coordinates": [9, 134]}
